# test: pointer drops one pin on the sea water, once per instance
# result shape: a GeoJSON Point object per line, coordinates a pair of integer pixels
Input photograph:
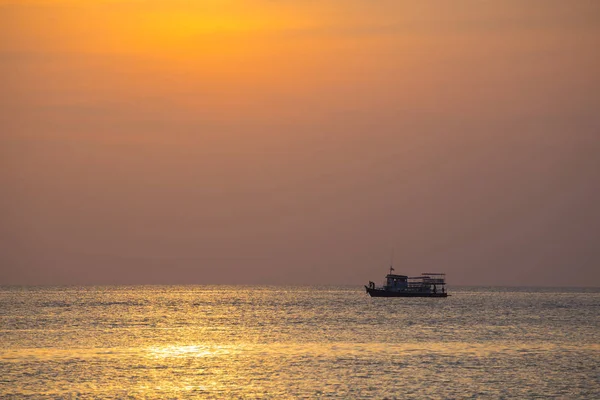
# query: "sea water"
{"type": "Point", "coordinates": [297, 342]}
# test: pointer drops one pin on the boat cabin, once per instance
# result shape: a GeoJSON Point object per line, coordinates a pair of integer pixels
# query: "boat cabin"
{"type": "Point", "coordinates": [396, 281]}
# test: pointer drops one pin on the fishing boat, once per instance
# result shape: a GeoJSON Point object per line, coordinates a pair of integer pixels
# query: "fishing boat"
{"type": "Point", "coordinates": [428, 284]}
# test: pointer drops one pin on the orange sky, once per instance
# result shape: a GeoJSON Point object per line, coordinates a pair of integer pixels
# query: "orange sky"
{"type": "Point", "coordinates": [297, 141]}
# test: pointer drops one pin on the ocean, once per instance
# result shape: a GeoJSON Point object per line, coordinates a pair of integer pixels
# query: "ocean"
{"type": "Point", "coordinates": [221, 342]}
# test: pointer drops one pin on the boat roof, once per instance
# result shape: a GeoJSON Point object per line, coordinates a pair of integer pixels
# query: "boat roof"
{"type": "Point", "coordinates": [396, 276]}
{"type": "Point", "coordinates": [435, 278]}
{"type": "Point", "coordinates": [430, 276]}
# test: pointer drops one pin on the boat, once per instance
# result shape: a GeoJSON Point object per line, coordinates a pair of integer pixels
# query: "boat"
{"type": "Point", "coordinates": [428, 284]}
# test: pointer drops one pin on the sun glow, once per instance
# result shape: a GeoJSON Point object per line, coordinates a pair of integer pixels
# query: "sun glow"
{"type": "Point", "coordinates": [153, 27]}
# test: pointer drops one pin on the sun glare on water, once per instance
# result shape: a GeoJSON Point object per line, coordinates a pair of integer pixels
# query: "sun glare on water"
{"type": "Point", "coordinates": [192, 351]}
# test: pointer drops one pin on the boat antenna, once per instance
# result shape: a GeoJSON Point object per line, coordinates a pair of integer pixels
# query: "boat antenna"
{"type": "Point", "coordinates": [392, 261]}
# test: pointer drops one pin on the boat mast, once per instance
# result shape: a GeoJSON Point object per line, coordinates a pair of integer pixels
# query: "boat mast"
{"type": "Point", "coordinates": [392, 261]}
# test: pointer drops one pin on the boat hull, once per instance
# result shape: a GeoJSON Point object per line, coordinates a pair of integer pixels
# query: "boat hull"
{"type": "Point", "coordinates": [388, 293]}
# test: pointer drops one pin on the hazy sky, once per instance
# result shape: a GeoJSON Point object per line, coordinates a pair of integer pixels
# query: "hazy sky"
{"type": "Point", "coordinates": [298, 141]}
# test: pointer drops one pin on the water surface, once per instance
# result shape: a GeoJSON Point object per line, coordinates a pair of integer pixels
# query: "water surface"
{"type": "Point", "coordinates": [294, 342]}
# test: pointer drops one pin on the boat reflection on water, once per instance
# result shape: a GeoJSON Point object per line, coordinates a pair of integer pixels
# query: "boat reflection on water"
{"type": "Point", "coordinates": [428, 284]}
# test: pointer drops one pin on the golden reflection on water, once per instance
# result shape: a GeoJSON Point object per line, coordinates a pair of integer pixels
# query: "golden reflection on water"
{"type": "Point", "coordinates": [300, 349]}
{"type": "Point", "coordinates": [192, 350]}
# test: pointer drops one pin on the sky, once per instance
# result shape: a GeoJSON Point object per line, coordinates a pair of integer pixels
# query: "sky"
{"type": "Point", "coordinates": [299, 141]}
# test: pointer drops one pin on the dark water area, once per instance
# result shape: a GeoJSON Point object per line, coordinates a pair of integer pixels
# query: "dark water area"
{"type": "Point", "coordinates": [297, 342]}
